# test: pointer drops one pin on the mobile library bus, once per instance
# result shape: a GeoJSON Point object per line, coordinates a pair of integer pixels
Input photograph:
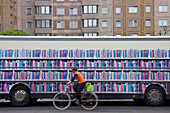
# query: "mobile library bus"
{"type": "Point", "coordinates": [117, 67]}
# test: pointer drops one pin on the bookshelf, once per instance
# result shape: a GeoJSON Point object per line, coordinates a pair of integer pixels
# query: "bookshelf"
{"type": "Point", "coordinates": [108, 70]}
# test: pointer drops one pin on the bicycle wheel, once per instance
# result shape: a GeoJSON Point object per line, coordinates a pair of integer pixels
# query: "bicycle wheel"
{"type": "Point", "coordinates": [61, 101]}
{"type": "Point", "coordinates": [89, 100]}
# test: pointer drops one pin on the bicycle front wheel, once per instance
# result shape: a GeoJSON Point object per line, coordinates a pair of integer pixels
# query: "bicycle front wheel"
{"type": "Point", "coordinates": [61, 101]}
{"type": "Point", "coordinates": [89, 100]}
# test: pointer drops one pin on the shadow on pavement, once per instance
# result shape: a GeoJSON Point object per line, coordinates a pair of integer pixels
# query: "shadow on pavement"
{"type": "Point", "coordinates": [114, 103]}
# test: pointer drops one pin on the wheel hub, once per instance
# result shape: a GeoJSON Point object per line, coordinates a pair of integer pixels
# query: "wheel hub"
{"type": "Point", "coordinates": [154, 95]}
{"type": "Point", "coordinates": [20, 95]}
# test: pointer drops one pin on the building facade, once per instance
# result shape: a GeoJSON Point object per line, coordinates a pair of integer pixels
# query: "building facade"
{"type": "Point", "coordinates": [86, 17]}
{"type": "Point", "coordinates": [37, 17]}
{"type": "Point", "coordinates": [8, 15]}
{"type": "Point", "coordinates": [97, 18]}
{"type": "Point", "coordinates": [67, 18]}
{"type": "Point", "coordinates": [162, 16]}
{"type": "Point", "coordinates": [133, 17]}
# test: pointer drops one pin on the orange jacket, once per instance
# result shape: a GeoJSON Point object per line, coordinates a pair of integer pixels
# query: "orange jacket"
{"type": "Point", "coordinates": [79, 78]}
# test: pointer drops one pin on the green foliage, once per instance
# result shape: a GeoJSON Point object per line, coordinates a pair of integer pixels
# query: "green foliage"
{"type": "Point", "coordinates": [15, 32]}
{"type": "Point", "coordinates": [159, 33]}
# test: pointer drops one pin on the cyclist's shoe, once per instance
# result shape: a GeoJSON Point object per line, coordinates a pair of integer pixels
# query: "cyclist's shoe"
{"type": "Point", "coordinates": [77, 102]}
{"type": "Point", "coordinates": [74, 99]}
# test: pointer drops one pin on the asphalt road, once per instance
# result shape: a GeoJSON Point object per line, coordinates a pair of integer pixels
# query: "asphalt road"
{"type": "Point", "coordinates": [106, 107]}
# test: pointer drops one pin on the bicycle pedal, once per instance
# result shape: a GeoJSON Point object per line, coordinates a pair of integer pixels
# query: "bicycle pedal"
{"type": "Point", "coordinates": [77, 102]}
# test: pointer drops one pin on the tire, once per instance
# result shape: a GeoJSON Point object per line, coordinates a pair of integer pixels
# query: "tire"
{"type": "Point", "coordinates": [89, 101]}
{"type": "Point", "coordinates": [20, 96]}
{"type": "Point", "coordinates": [33, 101]}
{"type": "Point", "coordinates": [61, 101]}
{"type": "Point", "coordinates": [155, 96]}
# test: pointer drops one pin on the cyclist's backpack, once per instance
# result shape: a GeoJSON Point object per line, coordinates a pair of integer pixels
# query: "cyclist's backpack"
{"type": "Point", "coordinates": [88, 86]}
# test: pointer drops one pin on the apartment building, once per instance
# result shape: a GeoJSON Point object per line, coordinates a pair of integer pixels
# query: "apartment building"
{"type": "Point", "coordinates": [86, 17]}
{"type": "Point", "coordinates": [37, 17]}
{"type": "Point", "coordinates": [133, 17]}
{"type": "Point", "coordinates": [162, 15]}
{"type": "Point", "coordinates": [8, 15]}
{"type": "Point", "coordinates": [67, 18]}
{"type": "Point", "coordinates": [97, 18]}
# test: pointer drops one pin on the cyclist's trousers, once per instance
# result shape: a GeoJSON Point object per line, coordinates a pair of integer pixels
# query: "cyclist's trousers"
{"type": "Point", "coordinates": [78, 88]}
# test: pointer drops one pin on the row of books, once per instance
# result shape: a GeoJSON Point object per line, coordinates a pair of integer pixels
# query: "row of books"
{"type": "Point", "coordinates": [85, 63]}
{"type": "Point", "coordinates": [79, 53]}
{"type": "Point", "coordinates": [87, 75]}
{"type": "Point", "coordinates": [96, 87]}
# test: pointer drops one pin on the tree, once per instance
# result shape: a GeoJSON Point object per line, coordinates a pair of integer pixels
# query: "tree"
{"type": "Point", "coordinates": [15, 32]}
{"type": "Point", "coordinates": [166, 29]}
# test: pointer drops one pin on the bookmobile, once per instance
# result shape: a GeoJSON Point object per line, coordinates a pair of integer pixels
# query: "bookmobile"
{"type": "Point", "coordinates": [33, 68]}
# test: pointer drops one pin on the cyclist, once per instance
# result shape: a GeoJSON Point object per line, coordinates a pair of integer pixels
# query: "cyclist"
{"type": "Point", "coordinates": [77, 87]}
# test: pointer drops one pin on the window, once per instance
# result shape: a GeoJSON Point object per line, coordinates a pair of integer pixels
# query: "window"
{"type": "Point", "coordinates": [133, 34]}
{"type": "Point", "coordinates": [60, 11]}
{"type": "Point", "coordinates": [133, 9]}
{"type": "Point", "coordinates": [148, 34]}
{"type": "Point", "coordinates": [47, 9]}
{"type": "Point", "coordinates": [73, 11]}
{"type": "Point", "coordinates": [73, 24]}
{"type": "Point", "coordinates": [0, 28]}
{"type": "Point", "coordinates": [60, 35]}
{"type": "Point", "coordinates": [148, 9]}
{"type": "Point", "coordinates": [73, 35]}
{"type": "Point", "coordinates": [15, 20]}
{"type": "Point", "coordinates": [11, 7]}
{"type": "Point", "coordinates": [29, 24]}
{"type": "Point", "coordinates": [48, 23]}
{"type": "Point", "coordinates": [38, 24]}
{"type": "Point", "coordinates": [15, 5]}
{"type": "Point", "coordinates": [29, 11]}
{"type": "Point", "coordinates": [133, 23]}
{"type": "Point", "coordinates": [104, 23]}
{"type": "Point", "coordinates": [60, 24]}
{"type": "Point", "coordinates": [104, 10]}
{"type": "Point", "coordinates": [89, 9]}
{"type": "Point", "coordinates": [43, 23]}
{"type": "Point", "coordinates": [148, 23]}
{"type": "Point", "coordinates": [38, 10]}
{"type": "Point", "coordinates": [118, 10]}
{"type": "Point", "coordinates": [90, 34]}
{"type": "Point", "coordinates": [118, 23]}
{"type": "Point", "coordinates": [43, 34]}
{"type": "Point", "coordinates": [90, 23]}
{"type": "Point", "coordinates": [11, 15]}
{"type": "Point", "coordinates": [59, 0]}
{"type": "Point", "coordinates": [163, 22]}
{"type": "Point", "coordinates": [43, 10]}
{"type": "Point", "coordinates": [163, 8]}
{"type": "Point", "coordinates": [118, 35]}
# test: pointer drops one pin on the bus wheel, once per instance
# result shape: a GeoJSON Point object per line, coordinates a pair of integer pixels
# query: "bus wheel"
{"type": "Point", "coordinates": [33, 101]}
{"type": "Point", "coordinates": [20, 96]}
{"type": "Point", "coordinates": [155, 95]}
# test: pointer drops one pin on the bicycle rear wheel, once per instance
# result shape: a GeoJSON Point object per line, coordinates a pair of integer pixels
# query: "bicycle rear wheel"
{"type": "Point", "coordinates": [89, 101]}
{"type": "Point", "coordinates": [61, 101]}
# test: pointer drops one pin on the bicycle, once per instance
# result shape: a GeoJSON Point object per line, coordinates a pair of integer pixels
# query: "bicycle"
{"type": "Point", "coordinates": [62, 100]}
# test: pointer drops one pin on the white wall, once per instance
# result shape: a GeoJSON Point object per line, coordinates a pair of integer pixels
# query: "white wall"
{"type": "Point", "coordinates": [73, 44]}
